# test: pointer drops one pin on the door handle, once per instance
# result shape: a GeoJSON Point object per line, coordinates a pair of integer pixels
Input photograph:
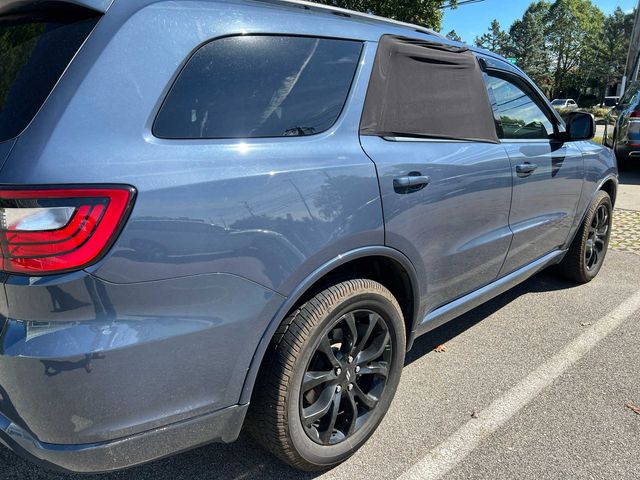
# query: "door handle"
{"type": "Point", "coordinates": [525, 169]}
{"type": "Point", "coordinates": [410, 183]}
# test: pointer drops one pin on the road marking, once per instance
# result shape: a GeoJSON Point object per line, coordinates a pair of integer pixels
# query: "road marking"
{"type": "Point", "coordinates": [454, 449]}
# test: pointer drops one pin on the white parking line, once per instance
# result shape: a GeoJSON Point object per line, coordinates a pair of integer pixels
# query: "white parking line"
{"type": "Point", "coordinates": [454, 449]}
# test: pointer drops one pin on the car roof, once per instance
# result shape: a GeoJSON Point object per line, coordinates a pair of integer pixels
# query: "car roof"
{"type": "Point", "coordinates": [345, 14]}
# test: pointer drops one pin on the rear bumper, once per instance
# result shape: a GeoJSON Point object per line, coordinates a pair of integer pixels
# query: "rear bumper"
{"type": "Point", "coordinates": [221, 426]}
{"type": "Point", "coordinates": [97, 376]}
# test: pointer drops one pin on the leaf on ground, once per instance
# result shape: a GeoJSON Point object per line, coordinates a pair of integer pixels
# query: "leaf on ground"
{"type": "Point", "coordinates": [474, 413]}
{"type": "Point", "coordinates": [440, 348]}
{"type": "Point", "coordinates": [585, 324]}
{"type": "Point", "coordinates": [632, 407]}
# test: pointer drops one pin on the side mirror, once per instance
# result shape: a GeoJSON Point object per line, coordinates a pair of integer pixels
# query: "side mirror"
{"type": "Point", "coordinates": [580, 126]}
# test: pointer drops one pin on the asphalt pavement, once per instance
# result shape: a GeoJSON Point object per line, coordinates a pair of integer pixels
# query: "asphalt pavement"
{"type": "Point", "coordinates": [537, 383]}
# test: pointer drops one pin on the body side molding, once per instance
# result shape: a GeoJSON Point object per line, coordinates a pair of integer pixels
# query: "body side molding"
{"type": "Point", "coordinates": [447, 312]}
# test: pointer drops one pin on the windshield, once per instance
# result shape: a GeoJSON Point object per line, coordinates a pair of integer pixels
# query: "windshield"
{"type": "Point", "coordinates": [558, 103]}
{"type": "Point", "coordinates": [35, 49]}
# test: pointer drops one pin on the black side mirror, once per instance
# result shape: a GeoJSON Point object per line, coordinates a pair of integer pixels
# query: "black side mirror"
{"type": "Point", "coordinates": [580, 126]}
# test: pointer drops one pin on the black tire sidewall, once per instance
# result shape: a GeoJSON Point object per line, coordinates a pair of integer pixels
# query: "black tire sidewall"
{"type": "Point", "coordinates": [329, 455]}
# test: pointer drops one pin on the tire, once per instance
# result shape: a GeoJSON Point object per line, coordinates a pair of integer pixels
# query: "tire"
{"type": "Point", "coordinates": [591, 239]}
{"type": "Point", "coordinates": [304, 343]}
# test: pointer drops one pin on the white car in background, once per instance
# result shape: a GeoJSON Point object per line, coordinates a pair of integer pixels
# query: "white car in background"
{"type": "Point", "coordinates": [564, 104]}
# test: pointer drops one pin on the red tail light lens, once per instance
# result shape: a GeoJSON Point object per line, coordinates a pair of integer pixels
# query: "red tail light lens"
{"type": "Point", "coordinates": [44, 231]}
{"type": "Point", "coordinates": [635, 114]}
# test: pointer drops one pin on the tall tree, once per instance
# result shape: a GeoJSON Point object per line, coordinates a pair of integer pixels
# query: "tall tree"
{"type": "Point", "coordinates": [607, 54]}
{"type": "Point", "coordinates": [420, 12]}
{"type": "Point", "coordinates": [495, 39]}
{"type": "Point", "coordinates": [572, 25]}
{"type": "Point", "coordinates": [453, 35]}
{"type": "Point", "coordinates": [527, 43]}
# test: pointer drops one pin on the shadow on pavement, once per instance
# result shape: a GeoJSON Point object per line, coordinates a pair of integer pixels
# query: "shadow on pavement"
{"type": "Point", "coordinates": [245, 460]}
{"type": "Point", "coordinates": [543, 282]}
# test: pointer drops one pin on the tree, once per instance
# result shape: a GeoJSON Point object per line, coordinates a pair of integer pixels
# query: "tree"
{"type": "Point", "coordinates": [421, 12]}
{"type": "Point", "coordinates": [495, 39]}
{"type": "Point", "coordinates": [527, 43]}
{"type": "Point", "coordinates": [572, 25]}
{"type": "Point", "coordinates": [453, 35]}
{"type": "Point", "coordinates": [607, 55]}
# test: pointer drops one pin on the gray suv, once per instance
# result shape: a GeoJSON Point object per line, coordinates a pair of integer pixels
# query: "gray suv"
{"type": "Point", "coordinates": [232, 214]}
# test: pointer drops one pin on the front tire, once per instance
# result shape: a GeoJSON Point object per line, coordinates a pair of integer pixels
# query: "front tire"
{"type": "Point", "coordinates": [330, 374]}
{"type": "Point", "coordinates": [589, 248]}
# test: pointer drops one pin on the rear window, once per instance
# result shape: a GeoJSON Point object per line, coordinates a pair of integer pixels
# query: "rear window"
{"type": "Point", "coordinates": [260, 86]}
{"type": "Point", "coordinates": [35, 49]}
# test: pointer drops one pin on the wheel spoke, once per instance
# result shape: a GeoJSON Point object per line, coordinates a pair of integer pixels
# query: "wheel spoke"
{"type": "Point", "coordinates": [350, 320]}
{"type": "Point", "coordinates": [327, 432]}
{"type": "Point", "coordinates": [351, 402]}
{"type": "Point", "coordinates": [594, 258]}
{"type": "Point", "coordinates": [313, 379]}
{"type": "Point", "coordinates": [320, 408]}
{"type": "Point", "coordinates": [326, 348]}
{"type": "Point", "coordinates": [367, 399]}
{"type": "Point", "coordinates": [375, 368]}
{"type": "Point", "coordinates": [375, 350]}
{"type": "Point", "coordinates": [364, 339]}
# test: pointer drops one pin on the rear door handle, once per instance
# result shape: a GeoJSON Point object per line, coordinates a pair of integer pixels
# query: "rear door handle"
{"type": "Point", "coordinates": [525, 169]}
{"type": "Point", "coordinates": [411, 182]}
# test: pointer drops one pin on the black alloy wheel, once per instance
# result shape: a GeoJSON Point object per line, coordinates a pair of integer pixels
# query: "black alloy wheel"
{"type": "Point", "coordinates": [598, 237]}
{"type": "Point", "coordinates": [586, 254]}
{"type": "Point", "coordinates": [330, 375]}
{"type": "Point", "coordinates": [346, 376]}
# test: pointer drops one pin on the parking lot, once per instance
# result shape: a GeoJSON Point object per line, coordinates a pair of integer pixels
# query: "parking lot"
{"type": "Point", "coordinates": [541, 382]}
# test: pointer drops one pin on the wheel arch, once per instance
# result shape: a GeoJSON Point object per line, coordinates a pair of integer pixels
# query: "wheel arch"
{"type": "Point", "coordinates": [610, 185]}
{"type": "Point", "coordinates": [383, 264]}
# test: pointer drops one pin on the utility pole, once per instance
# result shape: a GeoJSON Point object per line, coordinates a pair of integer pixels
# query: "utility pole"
{"type": "Point", "coordinates": [633, 58]}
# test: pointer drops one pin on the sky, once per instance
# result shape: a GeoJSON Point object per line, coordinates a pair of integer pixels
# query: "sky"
{"type": "Point", "coordinates": [473, 19]}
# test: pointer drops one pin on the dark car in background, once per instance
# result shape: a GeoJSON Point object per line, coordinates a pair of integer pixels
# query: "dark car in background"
{"type": "Point", "coordinates": [622, 127]}
{"type": "Point", "coordinates": [227, 214]}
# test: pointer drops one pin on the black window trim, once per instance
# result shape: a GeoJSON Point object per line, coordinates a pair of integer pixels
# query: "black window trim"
{"type": "Point", "coordinates": [183, 65]}
{"type": "Point", "coordinates": [541, 102]}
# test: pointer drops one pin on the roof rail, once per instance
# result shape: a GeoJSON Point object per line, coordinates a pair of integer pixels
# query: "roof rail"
{"type": "Point", "coordinates": [352, 13]}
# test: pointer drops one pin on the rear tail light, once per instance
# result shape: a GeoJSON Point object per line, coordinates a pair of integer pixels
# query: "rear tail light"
{"type": "Point", "coordinates": [635, 114]}
{"type": "Point", "coordinates": [44, 231]}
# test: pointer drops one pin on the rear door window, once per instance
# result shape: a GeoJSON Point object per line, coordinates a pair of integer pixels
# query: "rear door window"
{"type": "Point", "coordinates": [35, 49]}
{"type": "Point", "coordinates": [424, 89]}
{"type": "Point", "coordinates": [260, 86]}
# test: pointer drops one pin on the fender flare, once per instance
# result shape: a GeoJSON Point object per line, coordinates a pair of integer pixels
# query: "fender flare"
{"type": "Point", "coordinates": [308, 282]}
{"type": "Point", "coordinates": [611, 176]}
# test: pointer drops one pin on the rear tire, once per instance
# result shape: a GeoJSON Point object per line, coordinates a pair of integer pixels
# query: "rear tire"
{"type": "Point", "coordinates": [589, 248]}
{"type": "Point", "coordinates": [341, 352]}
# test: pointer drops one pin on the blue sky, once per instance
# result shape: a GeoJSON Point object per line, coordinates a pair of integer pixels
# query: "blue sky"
{"type": "Point", "coordinates": [473, 19]}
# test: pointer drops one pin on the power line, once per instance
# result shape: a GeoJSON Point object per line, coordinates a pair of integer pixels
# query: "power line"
{"type": "Point", "coordinates": [460, 3]}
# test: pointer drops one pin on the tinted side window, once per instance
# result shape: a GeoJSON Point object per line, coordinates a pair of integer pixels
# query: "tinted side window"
{"type": "Point", "coordinates": [35, 49]}
{"type": "Point", "coordinates": [260, 86]}
{"type": "Point", "coordinates": [518, 115]}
